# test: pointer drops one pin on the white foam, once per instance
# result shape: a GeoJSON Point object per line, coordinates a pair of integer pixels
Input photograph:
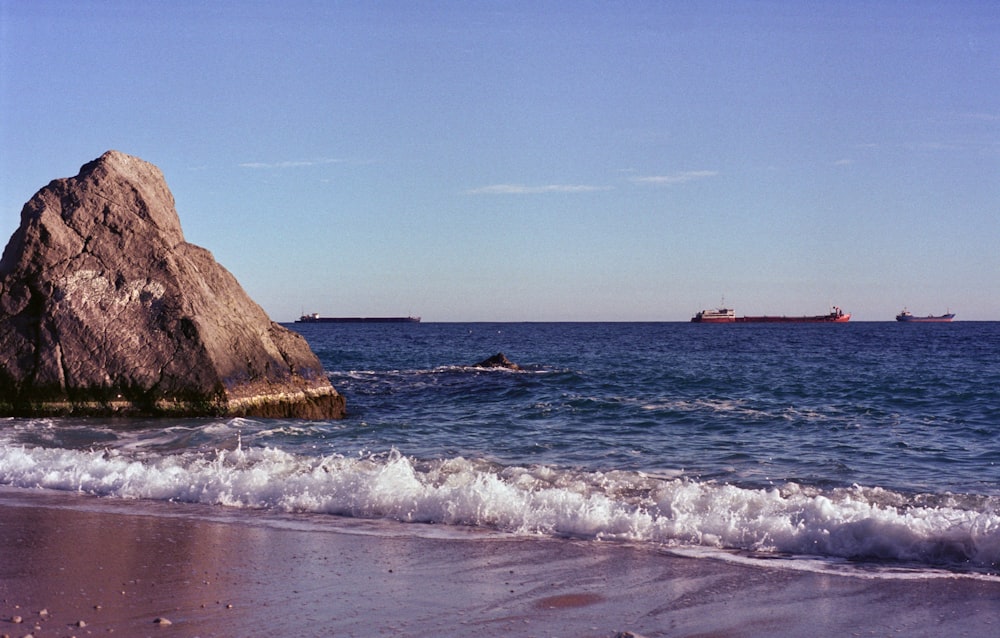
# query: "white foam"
{"type": "Point", "coordinates": [865, 523]}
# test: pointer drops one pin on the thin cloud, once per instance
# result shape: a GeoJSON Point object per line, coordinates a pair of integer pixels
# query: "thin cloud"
{"type": "Point", "coordinates": [843, 162]}
{"type": "Point", "coordinates": [674, 178]}
{"type": "Point", "coordinates": [521, 189]}
{"type": "Point", "coordinates": [291, 164]}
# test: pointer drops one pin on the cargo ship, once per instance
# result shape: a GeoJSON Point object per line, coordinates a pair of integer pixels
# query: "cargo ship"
{"type": "Point", "coordinates": [728, 315]}
{"type": "Point", "coordinates": [315, 318]}
{"type": "Point", "coordinates": [715, 315]}
{"type": "Point", "coordinates": [908, 317]}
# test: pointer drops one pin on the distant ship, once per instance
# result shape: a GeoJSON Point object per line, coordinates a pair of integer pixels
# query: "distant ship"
{"type": "Point", "coordinates": [728, 315]}
{"type": "Point", "coordinates": [315, 318]}
{"type": "Point", "coordinates": [908, 317]}
{"type": "Point", "coordinates": [715, 315]}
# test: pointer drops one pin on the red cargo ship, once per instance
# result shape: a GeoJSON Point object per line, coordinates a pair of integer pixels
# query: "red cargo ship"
{"type": "Point", "coordinates": [728, 315]}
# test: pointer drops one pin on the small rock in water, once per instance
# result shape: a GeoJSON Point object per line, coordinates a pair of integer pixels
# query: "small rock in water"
{"type": "Point", "coordinates": [499, 360]}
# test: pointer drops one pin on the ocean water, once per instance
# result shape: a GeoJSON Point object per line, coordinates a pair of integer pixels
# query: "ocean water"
{"type": "Point", "coordinates": [867, 447]}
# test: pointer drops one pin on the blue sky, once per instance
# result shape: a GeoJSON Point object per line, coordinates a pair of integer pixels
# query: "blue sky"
{"type": "Point", "coordinates": [468, 161]}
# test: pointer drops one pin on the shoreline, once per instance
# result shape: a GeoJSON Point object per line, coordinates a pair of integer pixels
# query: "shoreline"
{"type": "Point", "coordinates": [118, 566]}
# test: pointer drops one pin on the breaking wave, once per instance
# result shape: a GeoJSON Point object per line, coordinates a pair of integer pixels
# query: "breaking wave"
{"type": "Point", "coordinates": [954, 531]}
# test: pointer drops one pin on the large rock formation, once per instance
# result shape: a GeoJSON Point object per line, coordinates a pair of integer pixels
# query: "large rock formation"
{"type": "Point", "coordinates": [106, 310]}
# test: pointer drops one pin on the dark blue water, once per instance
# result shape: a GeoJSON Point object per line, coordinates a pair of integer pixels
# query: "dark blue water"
{"type": "Point", "coordinates": [907, 407]}
{"type": "Point", "coordinates": [872, 442]}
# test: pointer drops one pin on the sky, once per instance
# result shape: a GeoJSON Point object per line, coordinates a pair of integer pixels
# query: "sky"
{"type": "Point", "coordinates": [538, 161]}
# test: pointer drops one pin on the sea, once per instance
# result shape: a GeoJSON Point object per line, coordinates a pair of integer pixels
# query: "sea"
{"type": "Point", "coordinates": [866, 448]}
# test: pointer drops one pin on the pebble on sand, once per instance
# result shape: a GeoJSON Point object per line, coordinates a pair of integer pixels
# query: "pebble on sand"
{"type": "Point", "coordinates": [163, 622]}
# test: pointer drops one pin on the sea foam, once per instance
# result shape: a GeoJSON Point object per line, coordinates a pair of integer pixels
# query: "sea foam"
{"type": "Point", "coordinates": [858, 523]}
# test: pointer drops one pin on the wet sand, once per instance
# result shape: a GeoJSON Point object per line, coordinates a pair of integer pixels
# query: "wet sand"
{"type": "Point", "coordinates": [117, 567]}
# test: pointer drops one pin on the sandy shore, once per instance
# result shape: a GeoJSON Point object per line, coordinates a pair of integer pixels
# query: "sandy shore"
{"type": "Point", "coordinates": [98, 567]}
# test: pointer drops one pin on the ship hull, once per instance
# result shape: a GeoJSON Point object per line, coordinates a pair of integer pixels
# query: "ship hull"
{"type": "Point", "coordinates": [830, 318]}
{"type": "Point", "coordinates": [316, 319]}
{"type": "Point", "coordinates": [912, 319]}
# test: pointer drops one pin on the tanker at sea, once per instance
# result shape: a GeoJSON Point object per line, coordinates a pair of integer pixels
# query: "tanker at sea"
{"type": "Point", "coordinates": [316, 318]}
{"type": "Point", "coordinates": [728, 315]}
{"type": "Point", "coordinates": [907, 317]}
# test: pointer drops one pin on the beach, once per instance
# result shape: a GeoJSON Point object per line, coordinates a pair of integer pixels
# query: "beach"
{"type": "Point", "coordinates": [81, 566]}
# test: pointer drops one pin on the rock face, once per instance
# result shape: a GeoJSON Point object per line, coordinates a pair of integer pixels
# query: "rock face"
{"type": "Point", "coordinates": [106, 310]}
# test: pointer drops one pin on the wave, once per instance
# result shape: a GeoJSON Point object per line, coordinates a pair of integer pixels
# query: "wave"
{"type": "Point", "coordinates": [960, 532]}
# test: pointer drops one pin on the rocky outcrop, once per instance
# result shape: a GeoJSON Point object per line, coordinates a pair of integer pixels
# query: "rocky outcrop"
{"type": "Point", "coordinates": [499, 360]}
{"type": "Point", "coordinates": [106, 310]}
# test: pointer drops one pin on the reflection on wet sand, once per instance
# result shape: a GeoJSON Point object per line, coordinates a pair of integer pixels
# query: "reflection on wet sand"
{"type": "Point", "coordinates": [118, 566]}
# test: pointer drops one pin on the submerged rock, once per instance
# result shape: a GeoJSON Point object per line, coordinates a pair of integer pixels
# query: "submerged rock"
{"type": "Point", "coordinates": [106, 310]}
{"type": "Point", "coordinates": [499, 360]}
